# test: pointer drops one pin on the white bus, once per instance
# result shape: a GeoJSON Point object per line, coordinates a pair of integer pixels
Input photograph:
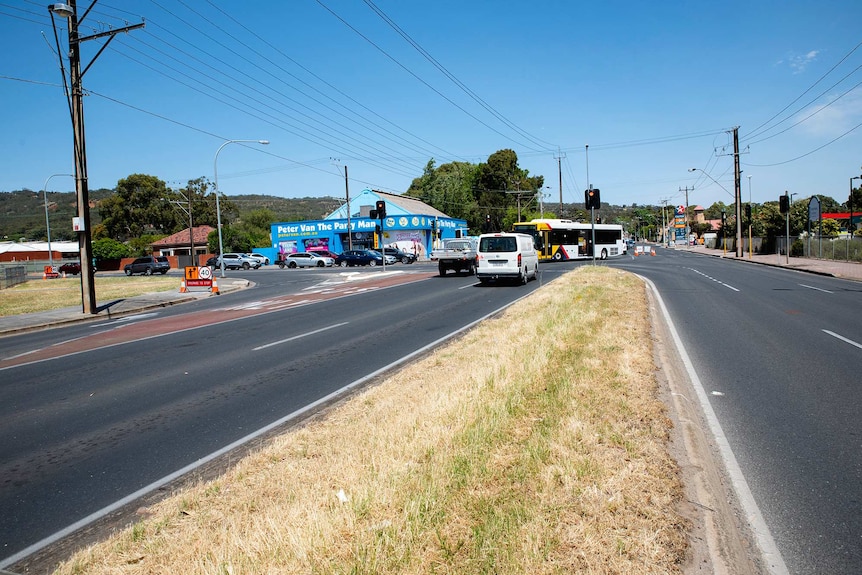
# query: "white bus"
{"type": "Point", "coordinates": [561, 240]}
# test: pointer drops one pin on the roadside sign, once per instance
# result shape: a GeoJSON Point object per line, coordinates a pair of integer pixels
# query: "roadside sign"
{"type": "Point", "coordinates": [198, 276]}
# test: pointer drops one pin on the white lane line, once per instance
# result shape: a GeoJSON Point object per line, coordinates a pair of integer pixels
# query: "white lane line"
{"type": "Point", "coordinates": [842, 338]}
{"type": "Point", "coordinates": [713, 279]}
{"type": "Point", "coordinates": [258, 348]}
{"type": "Point", "coordinates": [817, 288]}
{"type": "Point", "coordinates": [768, 548]}
{"type": "Point", "coordinates": [120, 503]}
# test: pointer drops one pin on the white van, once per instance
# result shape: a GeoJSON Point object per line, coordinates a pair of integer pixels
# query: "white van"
{"type": "Point", "coordinates": [506, 256]}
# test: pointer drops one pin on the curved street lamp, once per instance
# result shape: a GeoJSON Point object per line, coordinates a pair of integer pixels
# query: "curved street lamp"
{"type": "Point", "coordinates": [218, 205]}
{"type": "Point", "coordinates": [47, 221]}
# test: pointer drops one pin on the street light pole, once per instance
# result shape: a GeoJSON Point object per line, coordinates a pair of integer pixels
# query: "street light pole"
{"type": "Point", "coordinates": [76, 108]}
{"type": "Point", "coordinates": [47, 221]}
{"type": "Point", "coordinates": [218, 204]}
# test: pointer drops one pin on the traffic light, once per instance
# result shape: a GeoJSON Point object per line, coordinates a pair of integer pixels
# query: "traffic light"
{"type": "Point", "coordinates": [381, 209]}
{"type": "Point", "coordinates": [784, 203]}
{"type": "Point", "coordinates": [372, 214]}
{"type": "Point", "coordinates": [592, 200]}
{"type": "Point", "coordinates": [748, 212]}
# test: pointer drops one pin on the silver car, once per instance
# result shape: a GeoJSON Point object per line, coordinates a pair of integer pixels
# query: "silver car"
{"type": "Point", "coordinates": [305, 260]}
{"type": "Point", "coordinates": [237, 261]}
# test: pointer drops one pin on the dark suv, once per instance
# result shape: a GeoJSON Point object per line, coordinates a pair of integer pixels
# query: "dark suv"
{"type": "Point", "coordinates": [148, 265]}
{"type": "Point", "coordinates": [399, 255]}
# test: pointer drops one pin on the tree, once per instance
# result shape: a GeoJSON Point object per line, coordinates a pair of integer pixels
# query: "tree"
{"type": "Point", "coordinates": [110, 249]}
{"type": "Point", "coordinates": [140, 204]}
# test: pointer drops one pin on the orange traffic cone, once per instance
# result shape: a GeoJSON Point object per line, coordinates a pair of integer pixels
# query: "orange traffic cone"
{"type": "Point", "coordinates": [636, 252]}
{"type": "Point", "coordinates": [214, 289]}
{"type": "Point", "coordinates": [652, 252]}
{"type": "Point", "coordinates": [183, 288]}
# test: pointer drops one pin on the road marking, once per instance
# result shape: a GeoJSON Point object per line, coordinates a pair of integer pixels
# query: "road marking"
{"type": "Point", "coordinates": [767, 546]}
{"type": "Point", "coordinates": [260, 347]}
{"type": "Point", "coordinates": [713, 279]}
{"type": "Point", "coordinates": [817, 288]}
{"type": "Point", "coordinates": [842, 338]}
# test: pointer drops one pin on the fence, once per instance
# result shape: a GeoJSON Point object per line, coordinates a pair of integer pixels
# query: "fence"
{"type": "Point", "coordinates": [12, 275]}
{"type": "Point", "coordinates": [842, 249]}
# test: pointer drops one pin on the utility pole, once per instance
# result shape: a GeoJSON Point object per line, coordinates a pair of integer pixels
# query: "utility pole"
{"type": "Point", "coordinates": [664, 223]}
{"type": "Point", "coordinates": [347, 205]}
{"type": "Point", "coordinates": [687, 226]}
{"type": "Point", "coordinates": [560, 175]}
{"type": "Point", "coordinates": [76, 107]}
{"type": "Point", "coordinates": [737, 191]}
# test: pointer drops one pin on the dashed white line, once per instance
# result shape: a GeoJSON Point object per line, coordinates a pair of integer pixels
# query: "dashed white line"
{"type": "Point", "coordinates": [842, 338]}
{"type": "Point", "coordinates": [299, 336]}
{"type": "Point", "coordinates": [713, 279]}
{"type": "Point", "coordinates": [816, 288]}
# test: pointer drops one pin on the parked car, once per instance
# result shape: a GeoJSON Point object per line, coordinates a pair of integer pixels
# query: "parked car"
{"type": "Point", "coordinates": [360, 258]}
{"type": "Point", "coordinates": [264, 261]}
{"type": "Point", "coordinates": [73, 268]}
{"type": "Point", "coordinates": [148, 265]}
{"type": "Point", "coordinates": [324, 253]}
{"type": "Point", "coordinates": [305, 260]}
{"type": "Point", "coordinates": [399, 255]}
{"type": "Point", "coordinates": [236, 261]}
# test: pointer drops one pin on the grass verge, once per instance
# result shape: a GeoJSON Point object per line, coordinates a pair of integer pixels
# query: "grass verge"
{"type": "Point", "coordinates": [43, 295]}
{"type": "Point", "coordinates": [534, 444]}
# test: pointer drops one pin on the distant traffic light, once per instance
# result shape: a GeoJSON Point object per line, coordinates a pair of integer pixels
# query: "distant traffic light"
{"type": "Point", "coordinates": [748, 212]}
{"type": "Point", "coordinates": [784, 203]}
{"type": "Point", "coordinates": [592, 200]}
{"type": "Point", "coordinates": [381, 209]}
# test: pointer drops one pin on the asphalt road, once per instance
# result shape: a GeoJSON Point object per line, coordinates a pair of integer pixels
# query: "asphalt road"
{"type": "Point", "coordinates": [779, 355]}
{"type": "Point", "coordinates": [776, 350]}
{"type": "Point", "coordinates": [92, 415]}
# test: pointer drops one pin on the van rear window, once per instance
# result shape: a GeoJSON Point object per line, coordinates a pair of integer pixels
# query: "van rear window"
{"type": "Point", "coordinates": [501, 244]}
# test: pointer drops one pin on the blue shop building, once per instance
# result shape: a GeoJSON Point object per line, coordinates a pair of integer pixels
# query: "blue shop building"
{"type": "Point", "coordinates": [410, 225]}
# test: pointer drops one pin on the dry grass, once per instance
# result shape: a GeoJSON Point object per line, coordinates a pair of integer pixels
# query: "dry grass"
{"type": "Point", "coordinates": [42, 295]}
{"type": "Point", "coordinates": [535, 444]}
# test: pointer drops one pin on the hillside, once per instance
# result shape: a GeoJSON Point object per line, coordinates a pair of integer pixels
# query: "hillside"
{"type": "Point", "coordinates": [22, 212]}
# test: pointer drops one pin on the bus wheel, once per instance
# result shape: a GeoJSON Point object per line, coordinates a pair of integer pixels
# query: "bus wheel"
{"type": "Point", "coordinates": [604, 255]}
{"type": "Point", "coordinates": [558, 256]}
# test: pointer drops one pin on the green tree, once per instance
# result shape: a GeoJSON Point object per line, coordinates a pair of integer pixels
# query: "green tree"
{"type": "Point", "coordinates": [110, 249]}
{"type": "Point", "coordinates": [233, 239]}
{"type": "Point", "coordinates": [829, 228]}
{"type": "Point", "coordinates": [140, 204]}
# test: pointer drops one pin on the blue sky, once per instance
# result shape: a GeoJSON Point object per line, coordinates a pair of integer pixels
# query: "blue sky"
{"type": "Point", "coordinates": [653, 88]}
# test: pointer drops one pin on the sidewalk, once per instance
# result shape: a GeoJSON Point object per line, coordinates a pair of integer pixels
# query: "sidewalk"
{"type": "Point", "coordinates": [40, 320]}
{"type": "Point", "coordinates": [839, 269]}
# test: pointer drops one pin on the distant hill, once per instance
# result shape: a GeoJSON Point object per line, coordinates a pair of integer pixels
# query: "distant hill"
{"type": "Point", "coordinates": [22, 212]}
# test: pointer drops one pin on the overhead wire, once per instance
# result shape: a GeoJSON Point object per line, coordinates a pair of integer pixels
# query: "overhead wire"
{"type": "Point", "coordinates": [392, 24]}
{"type": "Point", "coordinates": [755, 132]}
{"type": "Point", "coordinates": [416, 76]}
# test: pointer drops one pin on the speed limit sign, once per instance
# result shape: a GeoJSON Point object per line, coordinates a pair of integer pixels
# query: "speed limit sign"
{"type": "Point", "coordinates": [205, 272]}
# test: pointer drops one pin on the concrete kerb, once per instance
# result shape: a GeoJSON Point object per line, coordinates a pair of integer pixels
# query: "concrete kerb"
{"type": "Point", "coordinates": [117, 308]}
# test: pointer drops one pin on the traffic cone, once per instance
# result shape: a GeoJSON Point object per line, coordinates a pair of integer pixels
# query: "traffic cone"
{"type": "Point", "coordinates": [214, 289]}
{"type": "Point", "coordinates": [183, 288]}
{"type": "Point", "coordinates": [636, 252]}
{"type": "Point", "coordinates": [652, 253]}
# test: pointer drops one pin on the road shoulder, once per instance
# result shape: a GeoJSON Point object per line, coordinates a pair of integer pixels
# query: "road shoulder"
{"type": "Point", "coordinates": [721, 542]}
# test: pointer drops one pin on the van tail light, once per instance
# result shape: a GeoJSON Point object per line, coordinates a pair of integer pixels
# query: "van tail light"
{"type": "Point", "coordinates": [519, 260]}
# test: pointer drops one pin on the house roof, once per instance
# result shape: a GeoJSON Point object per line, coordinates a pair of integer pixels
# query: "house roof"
{"type": "Point", "coordinates": [182, 238]}
{"type": "Point", "coordinates": [396, 205]}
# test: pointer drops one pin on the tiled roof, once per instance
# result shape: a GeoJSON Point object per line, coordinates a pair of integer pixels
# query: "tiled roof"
{"type": "Point", "coordinates": [182, 238]}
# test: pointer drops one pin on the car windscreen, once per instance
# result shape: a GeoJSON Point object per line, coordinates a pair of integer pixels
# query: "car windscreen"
{"type": "Point", "coordinates": [501, 244]}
